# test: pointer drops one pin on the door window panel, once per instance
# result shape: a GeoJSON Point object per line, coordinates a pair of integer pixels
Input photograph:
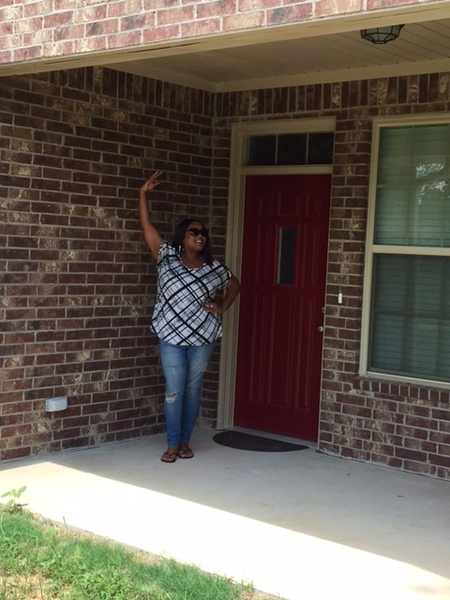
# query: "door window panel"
{"type": "Point", "coordinates": [286, 256]}
{"type": "Point", "coordinates": [320, 149]}
{"type": "Point", "coordinates": [291, 149]}
{"type": "Point", "coordinates": [262, 150]}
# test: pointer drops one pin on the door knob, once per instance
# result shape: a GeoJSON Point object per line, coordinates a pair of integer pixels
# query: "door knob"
{"type": "Point", "coordinates": [320, 329]}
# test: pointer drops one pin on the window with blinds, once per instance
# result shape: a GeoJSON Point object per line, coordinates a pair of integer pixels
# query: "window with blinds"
{"type": "Point", "coordinates": [408, 324]}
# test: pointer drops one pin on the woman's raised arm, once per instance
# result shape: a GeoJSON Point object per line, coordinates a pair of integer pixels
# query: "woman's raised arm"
{"type": "Point", "coordinates": [151, 234]}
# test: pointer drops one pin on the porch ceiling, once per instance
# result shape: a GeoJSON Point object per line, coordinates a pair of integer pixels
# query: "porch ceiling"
{"type": "Point", "coordinates": [300, 55]}
{"type": "Point", "coordinates": [316, 51]}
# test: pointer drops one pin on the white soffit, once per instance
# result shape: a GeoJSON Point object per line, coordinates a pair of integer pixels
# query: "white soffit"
{"type": "Point", "coordinates": [334, 57]}
{"type": "Point", "coordinates": [320, 51]}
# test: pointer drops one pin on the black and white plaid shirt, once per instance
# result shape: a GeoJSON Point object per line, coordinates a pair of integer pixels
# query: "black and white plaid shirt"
{"type": "Point", "coordinates": [179, 317]}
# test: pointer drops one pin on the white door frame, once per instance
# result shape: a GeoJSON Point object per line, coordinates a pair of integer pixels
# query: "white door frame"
{"type": "Point", "coordinates": [235, 227]}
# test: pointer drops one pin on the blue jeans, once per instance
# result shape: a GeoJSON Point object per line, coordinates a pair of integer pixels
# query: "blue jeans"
{"type": "Point", "coordinates": [183, 368]}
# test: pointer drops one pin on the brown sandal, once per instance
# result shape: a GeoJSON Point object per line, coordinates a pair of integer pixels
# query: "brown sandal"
{"type": "Point", "coordinates": [185, 453]}
{"type": "Point", "coordinates": [169, 457]}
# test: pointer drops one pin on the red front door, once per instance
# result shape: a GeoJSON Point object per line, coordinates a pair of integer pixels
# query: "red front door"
{"type": "Point", "coordinates": [281, 305]}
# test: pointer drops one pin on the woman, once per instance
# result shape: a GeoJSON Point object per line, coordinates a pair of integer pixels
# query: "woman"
{"type": "Point", "coordinates": [186, 318]}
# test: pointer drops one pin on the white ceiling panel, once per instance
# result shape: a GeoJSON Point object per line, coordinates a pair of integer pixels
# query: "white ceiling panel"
{"type": "Point", "coordinates": [420, 48]}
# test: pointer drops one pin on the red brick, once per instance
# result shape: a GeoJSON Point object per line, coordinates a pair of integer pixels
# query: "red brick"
{"type": "Point", "coordinates": [411, 455]}
{"type": "Point", "coordinates": [15, 453]}
{"type": "Point", "coordinates": [422, 445]}
{"type": "Point", "coordinates": [175, 15]}
{"type": "Point", "coordinates": [248, 20]}
{"type": "Point", "coordinates": [438, 460]}
{"type": "Point", "coordinates": [388, 461]}
{"type": "Point", "coordinates": [423, 469]}
{"type": "Point", "coordinates": [443, 450]}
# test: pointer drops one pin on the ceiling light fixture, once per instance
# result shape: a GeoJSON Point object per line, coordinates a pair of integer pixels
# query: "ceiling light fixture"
{"type": "Point", "coordinates": [381, 35]}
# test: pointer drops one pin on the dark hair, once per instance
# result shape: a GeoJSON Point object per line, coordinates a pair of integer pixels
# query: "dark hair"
{"type": "Point", "coordinates": [180, 232]}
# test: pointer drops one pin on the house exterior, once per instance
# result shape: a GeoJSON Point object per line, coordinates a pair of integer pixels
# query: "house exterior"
{"type": "Point", "coordinates": [325, 187]}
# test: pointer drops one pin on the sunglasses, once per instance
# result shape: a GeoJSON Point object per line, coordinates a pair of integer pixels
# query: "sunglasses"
{"type": "Point", "coordinates": [194, 232]}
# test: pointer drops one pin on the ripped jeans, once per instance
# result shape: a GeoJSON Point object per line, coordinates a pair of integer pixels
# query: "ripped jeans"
{"type": "Point", "coordinates": [183, 368]}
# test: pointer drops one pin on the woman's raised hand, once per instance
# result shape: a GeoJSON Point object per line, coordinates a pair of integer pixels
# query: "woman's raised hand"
{"type": "Point", "coordinates": [151, 182]}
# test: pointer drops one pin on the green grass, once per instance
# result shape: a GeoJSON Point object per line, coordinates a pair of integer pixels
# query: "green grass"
{"type": "Point", "coordinates": [43, 561]}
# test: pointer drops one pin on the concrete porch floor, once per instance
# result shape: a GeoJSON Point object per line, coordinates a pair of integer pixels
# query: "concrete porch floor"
{"type": "Point", "coordinates": [301, 525]}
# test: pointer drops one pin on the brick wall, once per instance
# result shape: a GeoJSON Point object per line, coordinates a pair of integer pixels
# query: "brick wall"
{"type": "Point", "coordinates": [77, 282]}
{"type": "Point", "coordinates": [400, 426]}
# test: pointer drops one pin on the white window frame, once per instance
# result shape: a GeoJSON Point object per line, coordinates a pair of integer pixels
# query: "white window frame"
{"type": "Point", "coordinates": [373, 249]}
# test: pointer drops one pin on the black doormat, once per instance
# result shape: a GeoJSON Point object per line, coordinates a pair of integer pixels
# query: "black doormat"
{"type": "Point", "coordinates": [254, 443]}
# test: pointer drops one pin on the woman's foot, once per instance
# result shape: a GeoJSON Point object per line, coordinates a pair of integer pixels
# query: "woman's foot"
{"type": "Point", "coordinates": [185, 451]}
{"type": "Point", "coordinates": [170, 455]}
